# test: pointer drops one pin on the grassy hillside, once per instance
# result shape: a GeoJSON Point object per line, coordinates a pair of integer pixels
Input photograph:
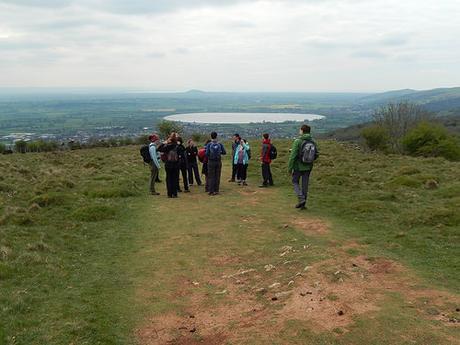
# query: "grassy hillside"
{"type": "Point", "coordinates": [353, 133]}
{"type": "Point", "coordinates": [442, 99]}
{"type": "Point", "coordinates": [88, 257]}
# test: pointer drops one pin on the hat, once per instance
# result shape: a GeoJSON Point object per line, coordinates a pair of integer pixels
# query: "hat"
{"type": "Point", "coordinates": [153, 137]}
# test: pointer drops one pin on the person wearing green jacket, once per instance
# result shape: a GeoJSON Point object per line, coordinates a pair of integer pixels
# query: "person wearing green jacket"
{"type": "Point", "coordinates": [298, 169]}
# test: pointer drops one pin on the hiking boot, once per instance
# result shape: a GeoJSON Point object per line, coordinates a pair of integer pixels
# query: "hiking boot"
{"type": "Point", "coordinates": [244, 183]}
{"type": "Point", "coordinates": [263, 185]}
{"type": "Point", "coordinates": [301, 205]}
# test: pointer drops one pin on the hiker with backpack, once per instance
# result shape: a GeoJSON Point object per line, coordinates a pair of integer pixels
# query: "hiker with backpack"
{"type": "Point", "coordinates": [214, 152]}
{"type": "Point", "coordinates": [268, 153]}
{"type": "Point", "coordinates": [235, 143]}
{"type": "Point", "coordinates": [150, 156]}
{"type": "Point", "coordinates": [169, 150]}
{"type": "Point", "coordinates": [191, 152]}
{"type": "Point", "coordinates": [241, 160]}
{"type": "Point", "coordinates": [204, 160]}
{"type": "Point", "coordinates": [303, 153]}
{"type": "Point", "coordinates": [182, 165]}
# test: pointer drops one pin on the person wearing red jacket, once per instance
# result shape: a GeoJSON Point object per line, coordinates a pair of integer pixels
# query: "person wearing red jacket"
{"type": "Point", "coordinates": [266, 161]}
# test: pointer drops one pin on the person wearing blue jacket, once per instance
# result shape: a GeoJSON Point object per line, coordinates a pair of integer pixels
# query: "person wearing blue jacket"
{"type": "Point", "coordinates": [241, 160]}
{"type": "Point", "coordinates": [214, 152]}
{"type": "Point", "coordinates": [155, 163]}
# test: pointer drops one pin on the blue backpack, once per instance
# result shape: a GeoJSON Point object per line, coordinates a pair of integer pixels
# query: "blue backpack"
{"type": "Point", "coordinates": [215, 151]}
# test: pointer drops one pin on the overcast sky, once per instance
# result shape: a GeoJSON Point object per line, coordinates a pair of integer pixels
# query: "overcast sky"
{"type": "Point", "coordinates": [231, 45]}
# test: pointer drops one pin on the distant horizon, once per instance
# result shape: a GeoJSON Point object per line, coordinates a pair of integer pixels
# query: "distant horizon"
{"type": "Point", "coordinates": [68, 89]}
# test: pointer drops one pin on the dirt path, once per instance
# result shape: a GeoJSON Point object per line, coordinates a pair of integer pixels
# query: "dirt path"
{"type": "Point", "coordinates": [240, 269]}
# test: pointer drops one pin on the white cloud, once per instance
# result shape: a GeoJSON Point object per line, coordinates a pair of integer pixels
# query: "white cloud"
{"type": "Point", "coordinates": [289, 45]}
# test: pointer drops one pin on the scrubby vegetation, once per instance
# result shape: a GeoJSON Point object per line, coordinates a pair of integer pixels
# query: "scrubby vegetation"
{"type": "Point", "coordinates": [431, 140]}
{"type": "Point", "coordinates": [406, 128]}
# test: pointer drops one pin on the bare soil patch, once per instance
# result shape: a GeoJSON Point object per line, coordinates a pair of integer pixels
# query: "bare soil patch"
{"type": "Point", "coordinates": [311, 226]}
{"type": "Point", "coordinates": [327, 295]}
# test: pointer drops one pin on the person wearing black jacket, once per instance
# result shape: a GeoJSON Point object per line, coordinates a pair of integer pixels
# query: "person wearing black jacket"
{"type": "Point", "coordinates": [169, 149]}
{"type": "Point", "coordinates": [235, 144]}
{"type": "Point", "coordinates": [182, 165]}
{"type": "Point", "coordinates": [191, 152]}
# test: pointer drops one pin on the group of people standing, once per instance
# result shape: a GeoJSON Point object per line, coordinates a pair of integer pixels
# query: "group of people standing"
{"type": "Point", "coordinates": [182, 161]}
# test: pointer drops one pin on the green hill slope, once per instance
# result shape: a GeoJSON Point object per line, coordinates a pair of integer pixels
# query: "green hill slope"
{"type": "Point", "coordinates": [88, 257]}
{"type": "Point", "coordinates": [442, 99]}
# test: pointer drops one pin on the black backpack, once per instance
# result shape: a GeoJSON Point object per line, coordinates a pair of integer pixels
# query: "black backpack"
{"type": "Point", "coordinates": [273, 152]}
{"type": "Point", "coordinates": [145, 153]}
{"type": "Point", "coordinates": [173, 155]}
{"type": "Point", "coordinates": [308, 152]}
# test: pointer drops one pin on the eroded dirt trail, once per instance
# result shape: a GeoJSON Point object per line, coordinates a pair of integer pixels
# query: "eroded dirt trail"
{"type": "Point", "coordinates": [293, 272]}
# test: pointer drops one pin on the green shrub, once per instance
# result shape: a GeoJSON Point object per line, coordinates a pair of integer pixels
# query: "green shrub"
{"type": "Point", "coordinates": [432, 140]}
{"type": "Point", "coordinates": [376, 138]}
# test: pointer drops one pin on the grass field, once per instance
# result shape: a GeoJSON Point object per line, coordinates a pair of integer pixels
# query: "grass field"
{"type": "Point", "coordinates": [88, 257]}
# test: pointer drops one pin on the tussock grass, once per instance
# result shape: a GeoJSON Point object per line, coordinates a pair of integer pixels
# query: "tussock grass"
{"type": "Point", "coordinates": [94, 213]}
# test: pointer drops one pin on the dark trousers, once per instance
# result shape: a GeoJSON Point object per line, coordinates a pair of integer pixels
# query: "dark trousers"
{"type": "Point", "coordinates": [267, 174]}
{"type": "Point", "coordinates": [301, 191]}
{"type": "Point", "coordinates": [214, 171]}
{"type": "Point", "coordinates": [234, 171]}
{"type": "Point", "coordinates": [172, 176]}
{"type": "Point", "coordinates": [153, 177]}
{"type": "Point", "coordinates": [193, 169]}
{"type": "Point", "coordinates": [183, 170]}
{"type": "Point", "coordinates": [241, 172]}
{"type": "Point", "coordinates": [204, 171]}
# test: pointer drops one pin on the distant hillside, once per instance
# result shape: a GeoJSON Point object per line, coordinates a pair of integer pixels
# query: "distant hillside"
{"type": "Point", "coordinates": [442, 99]}
{"type": "Point", "coordinates": [353, 133]}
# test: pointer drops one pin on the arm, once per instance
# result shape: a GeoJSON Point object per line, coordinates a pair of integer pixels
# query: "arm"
{"type": "Point", "coordinates": [264, 152]}
{"type": "Point", "coordinates": [153, 155]}
{"type": "Point", "coordinates": [223, 149]}
{"type": "Point", "coordinates": [293, 156]}
{"type": "Point", "coordinates": [317, 151]}
{"type": "Point", "coordinates": [207, 150]}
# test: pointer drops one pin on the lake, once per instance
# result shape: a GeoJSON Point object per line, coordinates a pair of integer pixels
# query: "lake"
{"type": "Point", "coordinates": [242, 117]}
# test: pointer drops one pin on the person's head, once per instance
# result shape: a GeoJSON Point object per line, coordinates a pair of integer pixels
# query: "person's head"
{"type": "Point", "coordinates": [236, 137]}
{"type": "Point", "coordinates": [213, 135]}
{"type": "Point", "coordinates": [305, 129]}
{"type": "Point", "coordinates": [172, 138]}
{"type": "Point", "coordinates": [153, 138]}
{"type": "Point", "coordinates": [266, 136]}
{"type": "Point", "coordinates": [190, 142]}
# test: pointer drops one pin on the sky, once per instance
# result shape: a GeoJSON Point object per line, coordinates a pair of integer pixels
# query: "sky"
{"type": "Point", "coordinates": [231, 45]}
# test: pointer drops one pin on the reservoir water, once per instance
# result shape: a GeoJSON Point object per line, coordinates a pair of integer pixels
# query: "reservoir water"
{"type": "Point", "coordinates": [242, 117]}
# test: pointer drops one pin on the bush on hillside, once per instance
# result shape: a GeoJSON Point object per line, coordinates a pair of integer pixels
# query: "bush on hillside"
{"type": "Point", "coordinates": [198, 137]}
{"type": "Point", "coordinates": [398, 119]}
{"type": "Point", "coordinates": [376, 138]}
{"type": "Point", "coordinates": [165, 128]}
{"type": "Point", "coordinates": [432, 140]}
{"type": "Point", "coordinates": [20, 146]}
